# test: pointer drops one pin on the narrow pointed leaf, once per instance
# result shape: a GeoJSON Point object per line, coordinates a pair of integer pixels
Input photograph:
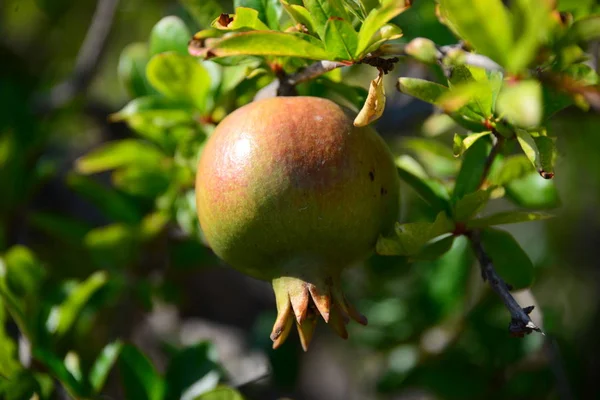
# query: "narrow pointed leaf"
{"type": "Point", "coordinates": [376, 19]}
{"type": "Point", "coordinates": [422, 89]}
{"type": "Point", "coordinates": [508, 217]}
{"type": "Point", "coordinates": [472, 169]}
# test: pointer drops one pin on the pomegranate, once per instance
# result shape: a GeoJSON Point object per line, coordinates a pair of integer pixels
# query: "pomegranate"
{"type": "Point", "coordinates": [289, 191]}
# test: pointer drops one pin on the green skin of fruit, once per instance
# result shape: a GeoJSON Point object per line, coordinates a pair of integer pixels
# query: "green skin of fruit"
{"type": "Point", "coordinates": [288, 187]}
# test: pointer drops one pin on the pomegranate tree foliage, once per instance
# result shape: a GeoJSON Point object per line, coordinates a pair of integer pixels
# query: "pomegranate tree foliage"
{"type": "Point", "coordinates": [509, 70]}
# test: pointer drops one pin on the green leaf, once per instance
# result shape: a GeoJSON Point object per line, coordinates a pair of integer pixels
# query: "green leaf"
{"type": "Point", "coordinates": [467, 95]}
{"type": "Point", "coordinates": [485, 24]}
{"type": "Point", "coordinates": [375, 20]}
{"type": "Point", "coordinates": [322, 10]}
{"type": "Point", "coordinates": [461, 144]}
{"type": "Point", "coordinates": [132, 70]}
{"type": "Point", "coordinates": [533, 191]}
{"type": "Point", "coordinates": [507, 217]}
{"type": "Point", "coordinates": [58, 369]}
{"type": "Point", "coordinates": [473, 89]}
{"type": "Point", "coordinates": [412, 237]}
{"type": "Point", "coordinates": [119, 153]}
{"type": "Point", "coordinates": [24, 273]}
{"type": "Point", "coordinates": [9, 363]}
{"type": "Point", "coordinates": [547, 155]}
{"type": "Point", "coordinates": [221, 393]}
{"type": "Point", "coordinates": [540, 150]}
{"type": "Point", "coordinates": [521, 104]}
{"type": "Point", "coordinates": [433, 192]}
{"type": "Point", "coordinates": [179, 77]}
{"type": "Point", "coordinates": [340, 38]}
{"type": "Point", "coordinates": [192, 372]}
{"type": "Point", "coordinates": [384, 34]}
{"type": "Point", "coordinates": [473, 166]}
{"type": "Point", "coordinates": [103, 365]}
{"type": "Point", "coordinates": [269, 11]}
{"type": "Point", "coordinates": [169, 34]}
{"type": "Point", "coordinates": [112, 245]}
{"type": "Point", "coordinates": [509, 259]}
{"type": "Point", "coordinates": [59, 227]}
{"type": "Point", "coordinates": [140, 379]}
{"type": "Point", "coordinates": [147, 182]}
{"type": "Point", "coordinates": [435, 249]}
{"type": "Point", "coordinates": [270, 43]}
{"type": "Point", "coordinates": [422, 89]}
{"type": "Point", "coordinates": [513, 167]}
{"type": "Point", "coordinates": [110, 202]}
{"type": "Point", "coordinates": [63, 316]}
{"type": "Point", "coordinates": [447, 278]}
{"type": "Point", "coordinates": [300, 15]}
{"type": "Point", "coordinates": [470, 205]}
{"type": "Point", "coordinates": [154, 116]}
{"type": "Point", "coordinates": [532, 20]}
{"type": "Point", "coordinates": [584, 30]}
{"type": "Point", "coordinates": [244, 19]}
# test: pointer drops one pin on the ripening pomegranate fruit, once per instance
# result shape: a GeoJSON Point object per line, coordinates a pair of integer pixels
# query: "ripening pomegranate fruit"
{"type": "Point", "coordinates": [289, 191]}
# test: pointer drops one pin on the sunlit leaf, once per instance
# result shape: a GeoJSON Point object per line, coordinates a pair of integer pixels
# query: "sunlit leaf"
{"type": "Point", "coordinates": [340, 38]}
{"type": "Point", "coordinates": [269, 11]}
{"type": "Point", "coordinates": [375, 20]}
{"type": "Point", "coordinates": [244, 19]}
{"type": "Point", "coordinates": [472, 20]}
{"type": "Point", "coordinates": [119, 153]}
{"type": "Point", "coordinates": [521, 104]}
{"type": "Point", "coordinates": [461, 144]}
{"type": "Point", "coordinates": [422, 89]}
{"type": "Point", "coordinates": [221, 393]}
{"type": "Point", "coordinates": [179, 77]}
{"type": "Point", "coordinates": [270, 43]}
{"type": "Point", "coordinates": [103, 365]}
{"type": "Point", "coordinates": [322, 10]}
{"type": "Point", "coordinates": [63, 316]}
{"type": "Point", "coordinates": [169, 34]}
{"type": "Point", "coordinates": [300, 15]}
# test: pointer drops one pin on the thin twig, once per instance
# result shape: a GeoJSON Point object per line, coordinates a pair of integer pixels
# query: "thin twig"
{"type": "Point", "coordinates": [520, 323]}
{"type": "Point", "coordinates": [285, 85]}
{"type": "Point", "coordinates": [87, 62]}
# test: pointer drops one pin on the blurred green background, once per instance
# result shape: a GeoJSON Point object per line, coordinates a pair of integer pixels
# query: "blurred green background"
{"type": "Point", "coordinates": [435, 330]}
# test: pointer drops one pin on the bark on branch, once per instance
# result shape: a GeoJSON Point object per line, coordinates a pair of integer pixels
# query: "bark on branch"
{"type": "Point", "coordinates": [520, 323]}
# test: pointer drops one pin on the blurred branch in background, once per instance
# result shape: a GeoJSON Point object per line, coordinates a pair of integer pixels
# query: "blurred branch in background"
{"type": "Point", "coordinates": [88, 59]}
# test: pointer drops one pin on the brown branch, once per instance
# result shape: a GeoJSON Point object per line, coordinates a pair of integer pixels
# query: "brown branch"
{"type": "Point", "coordinates": [520, 323]}
{"type": "Point", "coordinates": [87, 61]}
{"type": "Point", "coordinates": [285, 84]}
